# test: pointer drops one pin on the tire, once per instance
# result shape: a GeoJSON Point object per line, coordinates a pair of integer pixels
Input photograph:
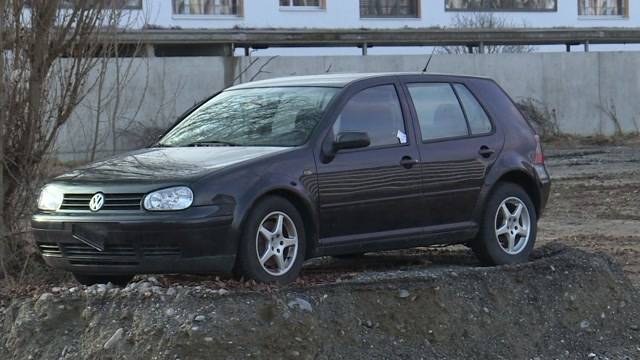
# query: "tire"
{"type": "Point", "coordinates": [269, 254]}
{"type": "Point", "coordinates": [118, 280]}
{"type": "Point", "coordinates": [506, 238]}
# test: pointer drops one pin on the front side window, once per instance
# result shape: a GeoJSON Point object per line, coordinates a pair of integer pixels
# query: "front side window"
{"type": "Point", "coordinates": [294, 4]}
{"type": "Point", "coordinates": [389, 9]}
{"type": "Point", "coordinates": [501, 5]}
{"type": "Point", "coordinates": [207, 7]}
{"type": "Point", "coordinates": [377, 112]}
{"type": "Point", "coordinates": [439, 112]}
{"type": "Point", "coordinates": [279, 116]}
{"type": "Point", "coordinates": [602, 7]}
{"type": "Point", "coordinates": [479, 122]}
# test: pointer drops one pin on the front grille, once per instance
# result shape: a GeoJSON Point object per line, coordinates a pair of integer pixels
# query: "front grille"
{"type": "Point", "coordinates": [80, 202]}
{"type": "Point", "coordinates": [83, 254]}
{"type": "Point", "coordinates": [83, 250]}
{"type": "Point", "coordinates": [49, 249]}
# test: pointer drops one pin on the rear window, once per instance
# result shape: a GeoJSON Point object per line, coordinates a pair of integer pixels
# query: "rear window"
{"type": "Point", "coordinates": [439, 112]}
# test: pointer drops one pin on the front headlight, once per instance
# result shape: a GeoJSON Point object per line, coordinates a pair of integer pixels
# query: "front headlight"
{"type": "Point", "coordinates": [175, 198]}
{"type": "Point", "coordinates": [50, 199]}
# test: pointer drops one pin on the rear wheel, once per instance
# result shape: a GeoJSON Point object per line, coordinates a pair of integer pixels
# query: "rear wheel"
{"type": "Point", "coordinates": [272, 247]}
{"type": "Point", "coordinates": [118, 280]}
{"type": "Point", "coordinates": [509, 227]}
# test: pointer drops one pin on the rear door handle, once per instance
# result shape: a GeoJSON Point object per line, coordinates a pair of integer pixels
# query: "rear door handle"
{"type": "Point", "coordinates": [408, 162]}
{"type": "Point", "coordinates": [486, 152]}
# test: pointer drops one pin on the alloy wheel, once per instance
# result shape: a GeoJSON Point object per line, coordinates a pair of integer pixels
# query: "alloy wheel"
{"type": "Point", "coordinates": [277, 243]}
{"type": "Point", "coordinates": [512, 225]}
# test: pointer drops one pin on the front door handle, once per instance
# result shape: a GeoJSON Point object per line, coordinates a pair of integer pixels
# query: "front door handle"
{"type": "Point", "coordinates": [408, 162]}
{"type": "Point", "coordinates": [486, 152]}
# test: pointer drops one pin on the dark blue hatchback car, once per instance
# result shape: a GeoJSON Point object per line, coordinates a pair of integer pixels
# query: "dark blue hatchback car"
{"type": "Point", "coordinates": [267, 174]}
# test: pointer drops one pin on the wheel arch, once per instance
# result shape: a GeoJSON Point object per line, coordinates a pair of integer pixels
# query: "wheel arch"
{"type": "Point", "coordinates": [526, 181]}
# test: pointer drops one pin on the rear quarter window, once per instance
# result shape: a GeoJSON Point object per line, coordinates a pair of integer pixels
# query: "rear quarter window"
{"type": "Point", "coordinates": [479, 122]}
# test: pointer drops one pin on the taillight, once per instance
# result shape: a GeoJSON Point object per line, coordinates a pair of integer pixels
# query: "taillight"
{"type": "Point", "coordinates": [538, 157]}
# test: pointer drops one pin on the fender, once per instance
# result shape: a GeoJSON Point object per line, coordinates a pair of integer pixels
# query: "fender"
{"type": "Point", "coordinates": [510, 162]}
{"type": "Point", "coordinates": [298, 189]}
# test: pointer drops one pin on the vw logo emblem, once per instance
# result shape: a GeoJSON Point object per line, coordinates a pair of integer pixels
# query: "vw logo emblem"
{"type": "Point", "coordinates": [97, 201]}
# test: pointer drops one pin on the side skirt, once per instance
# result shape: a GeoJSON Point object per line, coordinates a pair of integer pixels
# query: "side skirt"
{"type": "Point", "coordinates": [397, 239]}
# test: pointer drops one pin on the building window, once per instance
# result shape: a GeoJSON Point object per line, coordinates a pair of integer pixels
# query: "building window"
{"type": "Point", "coordinates": [603, 8]}
{"type": "Point", "coordinates": [389, 8]}
{"type": "Point", "coordinates": [208, 7]}
{"type": "Point", "coordinates": [105, 4]}
{"type": "Point", "coordinates": [501, 5]}
{"type": "Point", "coordinates": [301, 4]}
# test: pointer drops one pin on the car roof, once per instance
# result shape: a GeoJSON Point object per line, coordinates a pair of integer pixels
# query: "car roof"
{"type": "Point", "coordinates": [338, 80]}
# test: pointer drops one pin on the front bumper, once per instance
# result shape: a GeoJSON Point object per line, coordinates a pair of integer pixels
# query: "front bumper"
{"type": "Point", "coordinates": [196, 241]}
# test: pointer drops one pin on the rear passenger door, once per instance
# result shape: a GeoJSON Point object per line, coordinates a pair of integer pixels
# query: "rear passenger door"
{"type": "Point", "coordinates": [458, 143]}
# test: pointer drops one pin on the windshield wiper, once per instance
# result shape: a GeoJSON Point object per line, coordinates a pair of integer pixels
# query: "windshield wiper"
{"type": "Point", "coordinates": [212, 143]}
{"type": "Point", "coordinates": [159, 145]}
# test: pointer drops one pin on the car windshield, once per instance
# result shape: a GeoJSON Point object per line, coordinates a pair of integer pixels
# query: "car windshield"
{"type": "Point", "coordinates": [278, 116]}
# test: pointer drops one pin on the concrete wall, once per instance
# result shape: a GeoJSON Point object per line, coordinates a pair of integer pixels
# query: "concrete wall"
{"type": "Point", "coordinates": [346, 14]}
{"type": "Point", "coordinates": [577, 86]}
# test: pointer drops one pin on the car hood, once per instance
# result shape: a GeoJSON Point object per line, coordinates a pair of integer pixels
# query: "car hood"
{"type": "Point", "coordinates": [167, 164]}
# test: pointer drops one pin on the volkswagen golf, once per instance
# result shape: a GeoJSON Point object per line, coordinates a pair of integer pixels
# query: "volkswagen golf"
{"type": "Point", "coordinates": [264, 175]}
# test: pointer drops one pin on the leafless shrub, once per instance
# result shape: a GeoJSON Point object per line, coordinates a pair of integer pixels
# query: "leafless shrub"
{"type": "Point", "coordinates": [543, 119]}
{"type": "Point", "coordinates": [48, 54]}
{"type": "Point", "coordinates": [611, 113]}
{"type": "Point", "coordinates": [483, 20]}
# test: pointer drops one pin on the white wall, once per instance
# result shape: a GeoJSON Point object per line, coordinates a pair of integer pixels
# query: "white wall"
{"type": "Point", "coordinates": [346, 14]}
{"type": "Point", "coordinates": [577, 87]}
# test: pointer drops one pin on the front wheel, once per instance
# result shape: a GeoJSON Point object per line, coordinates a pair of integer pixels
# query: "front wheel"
{"type": "Point", "coordinates": [509, 227]}
{"type": "Point", "coordinates": [272, 247]}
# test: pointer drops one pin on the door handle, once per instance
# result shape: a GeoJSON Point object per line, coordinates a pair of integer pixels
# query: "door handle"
{"type": "Point", "coordinates": [408, 162]}
{"type": "Point", "coordinates": [486, 152]}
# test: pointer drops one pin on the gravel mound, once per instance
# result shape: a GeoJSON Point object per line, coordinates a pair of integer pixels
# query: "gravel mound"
{"type": "Point", "coordinates": [566, 303]}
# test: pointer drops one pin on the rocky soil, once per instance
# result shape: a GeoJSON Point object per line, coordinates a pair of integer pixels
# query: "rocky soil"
{"type": "Point", "coordinates": [576, 302]}
{"type": "Point", "coordinates": [564, 304]}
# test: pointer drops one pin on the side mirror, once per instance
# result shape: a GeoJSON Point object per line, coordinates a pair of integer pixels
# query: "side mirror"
{"type": "Point", "coordinates": [351, 140]}
{"type": "Point", "coordinates": [344, 140]}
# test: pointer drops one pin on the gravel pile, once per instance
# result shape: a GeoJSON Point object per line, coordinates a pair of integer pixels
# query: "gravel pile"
{"type": "Point", "coordinates": [564, 304]}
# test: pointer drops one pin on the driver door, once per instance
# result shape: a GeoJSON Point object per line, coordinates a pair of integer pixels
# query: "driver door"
{"type": "Point", "coordinates": [373, 192]}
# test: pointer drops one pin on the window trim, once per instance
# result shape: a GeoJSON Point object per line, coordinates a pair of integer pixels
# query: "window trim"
{"type": "Point", "coordinates": [405, 118]}
{"type": "Point", "coordinates": [502, 10]}
{"type": "Point", "coordinates": [414, 112]}
{"type": "Point", "coordinates": [418, 15]}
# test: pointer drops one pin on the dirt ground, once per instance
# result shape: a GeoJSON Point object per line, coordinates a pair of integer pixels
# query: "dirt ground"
{"type": "Point", "coordinates": [595, 201]}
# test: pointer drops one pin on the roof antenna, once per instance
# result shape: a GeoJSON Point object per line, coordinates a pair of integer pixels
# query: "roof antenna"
{"type": "Point", "coordinates": [426, 67]}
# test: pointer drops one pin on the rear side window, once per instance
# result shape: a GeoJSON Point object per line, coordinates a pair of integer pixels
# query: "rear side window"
{"type": "Point", "coordinates": [478, 120]}
{"type": "Point", "coordinates": [439, 111]}
{"type": "Point", "coordinates": [377, 112]}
